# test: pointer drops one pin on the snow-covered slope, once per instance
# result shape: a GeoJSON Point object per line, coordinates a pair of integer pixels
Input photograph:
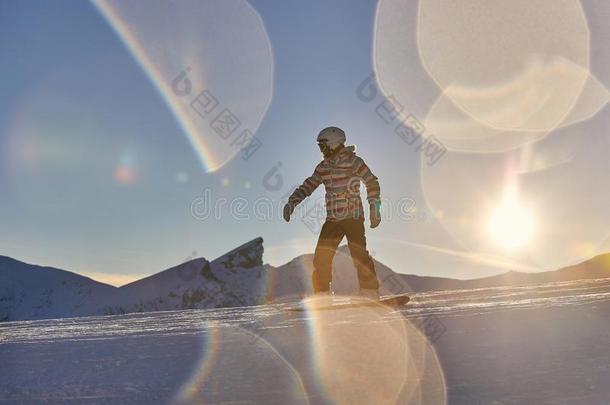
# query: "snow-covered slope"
{"type": "Point", "coordinates": [33, 292]}
{"type": "Point", "coordinates": [234, 279]}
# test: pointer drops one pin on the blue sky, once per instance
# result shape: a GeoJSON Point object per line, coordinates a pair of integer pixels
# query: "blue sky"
{"type": "Point", "coordinates": [98, 177]}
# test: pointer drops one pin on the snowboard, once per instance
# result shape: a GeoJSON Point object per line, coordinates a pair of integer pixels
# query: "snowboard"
{"type": "Point", "coordinates": [392, 301]}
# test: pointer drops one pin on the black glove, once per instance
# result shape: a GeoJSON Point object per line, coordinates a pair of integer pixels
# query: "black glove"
{"type": "Point", "coordinates": [375, 213]}
{"type": "Point", "coordinates": [288, 208]}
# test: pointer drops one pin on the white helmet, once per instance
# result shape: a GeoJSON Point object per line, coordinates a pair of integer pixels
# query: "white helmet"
{"type": "Point", "coordinates": [331, 137]}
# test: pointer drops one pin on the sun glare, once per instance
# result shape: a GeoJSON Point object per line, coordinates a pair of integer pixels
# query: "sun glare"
{"type": "Point", "coordinates": [511, 225]}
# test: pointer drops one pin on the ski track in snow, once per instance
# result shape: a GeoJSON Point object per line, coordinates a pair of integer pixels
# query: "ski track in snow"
{"type": "Point", "coordinates": [149, 357]}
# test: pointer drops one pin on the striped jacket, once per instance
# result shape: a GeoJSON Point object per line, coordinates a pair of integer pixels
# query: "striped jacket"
{"type": "Point", "coordinates": [341, 175]}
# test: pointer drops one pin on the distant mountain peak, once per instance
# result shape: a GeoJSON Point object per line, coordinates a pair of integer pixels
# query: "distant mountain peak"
{"type": "Point", "coordinates": [248, 255]}
{"type": "Point", "coordinates": [256, 243]}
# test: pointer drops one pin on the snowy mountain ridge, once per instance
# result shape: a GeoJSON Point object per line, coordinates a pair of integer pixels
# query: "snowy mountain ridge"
{"type": "Point", "coordinates": [34, 292]}
{"type": "Point", "coordinates": [237, 278]}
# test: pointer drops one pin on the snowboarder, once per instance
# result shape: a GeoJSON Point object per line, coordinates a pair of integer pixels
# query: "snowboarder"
{"type": "Point", "coordinates": [341, 171]}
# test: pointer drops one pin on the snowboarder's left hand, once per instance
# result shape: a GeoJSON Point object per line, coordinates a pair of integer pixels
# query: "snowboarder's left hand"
{"type": "Point", "coordinates": [375, 214]}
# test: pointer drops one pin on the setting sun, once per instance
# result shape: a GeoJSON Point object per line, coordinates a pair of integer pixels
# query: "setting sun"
{"type": "Point", "coordinates": [511, 224]}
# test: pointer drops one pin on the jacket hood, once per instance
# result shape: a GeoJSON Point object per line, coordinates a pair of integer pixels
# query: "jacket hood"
{"type": "Point", "coordinates": [346, 150]}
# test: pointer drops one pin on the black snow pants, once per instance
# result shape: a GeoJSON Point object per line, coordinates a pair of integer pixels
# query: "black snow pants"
{"type": "Point", "coordinates": [330, 236]}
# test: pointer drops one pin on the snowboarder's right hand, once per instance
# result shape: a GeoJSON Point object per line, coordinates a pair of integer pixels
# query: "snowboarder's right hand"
{"type": "Point", "coordinates": [288, 208]}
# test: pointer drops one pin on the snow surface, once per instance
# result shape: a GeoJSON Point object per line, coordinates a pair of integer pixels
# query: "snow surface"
{"type": "Point", "coordinates": [542, 344]}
